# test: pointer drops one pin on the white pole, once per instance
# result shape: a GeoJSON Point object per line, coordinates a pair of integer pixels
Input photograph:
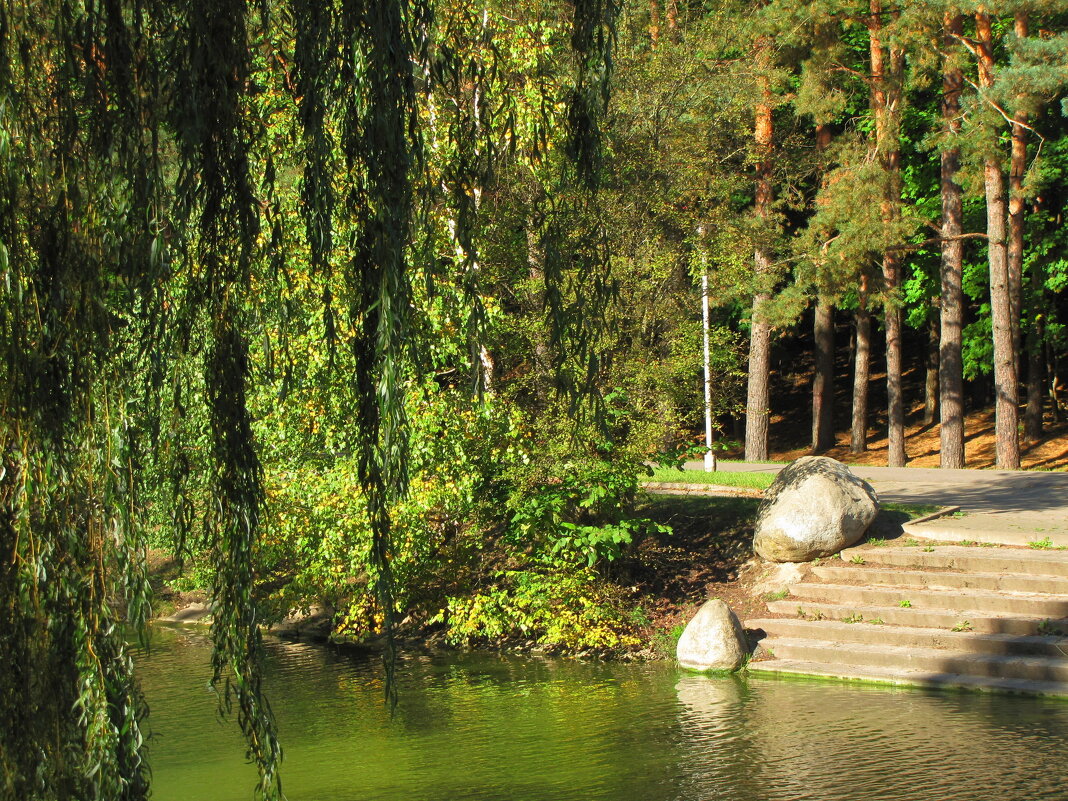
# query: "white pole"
{"type": "Point", "coordinates": [710, 455]}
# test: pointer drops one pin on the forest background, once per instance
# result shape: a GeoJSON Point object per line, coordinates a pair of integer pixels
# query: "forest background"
{"type": "Point", "coordinates": [384, 308]}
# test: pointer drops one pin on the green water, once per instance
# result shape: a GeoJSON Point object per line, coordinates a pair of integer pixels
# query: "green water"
{"type": "Point", "coordinates": [491, 727]}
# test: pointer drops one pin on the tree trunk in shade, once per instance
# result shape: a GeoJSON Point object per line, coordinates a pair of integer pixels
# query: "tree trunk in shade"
{"type": "Point", "coordinates": [1005, 411]}
{"type": "Point", "coordinates": [950, 361]}
{"type": "Point", "coordinates": [823, 379]}
{"type": "Point", "coordinates": [1036, 363]}
{"type": "Point", "coordinates": [858, 442]}
{"type": "Point", "coordinates": [930, 383]}
{"type": "Point", "coordinates": [757, 400]}
{"type": "Point", "coordinates": [1036, 375]}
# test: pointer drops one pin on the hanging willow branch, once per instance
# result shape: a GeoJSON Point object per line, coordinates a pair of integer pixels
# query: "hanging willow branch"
{"type": "Point", "coordinates": [215, 189]}
{"type": "Point", "coordinates": [578, 276]}
{"type": "Point", "coordinates": [592, 39]}
{"type": "Point", "coordinates": [72, 167]}
{"type": "Point", "coordinates": [357, 58]}
{"type": "Point", "coordinates": [130, 253]}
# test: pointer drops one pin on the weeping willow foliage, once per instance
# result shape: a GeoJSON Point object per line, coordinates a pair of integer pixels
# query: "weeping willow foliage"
{"type": "Point", "coordinates": [139, 225]}
{"type": "Point", "coordinates": [578, 276]}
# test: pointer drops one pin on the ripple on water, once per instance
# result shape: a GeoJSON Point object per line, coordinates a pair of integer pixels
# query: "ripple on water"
{"type": "Point", "coordinates": [495, 727]}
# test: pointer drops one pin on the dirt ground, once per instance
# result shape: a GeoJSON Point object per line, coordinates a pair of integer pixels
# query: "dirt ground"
{"type": "Point", "coordinates": [707, 556]}
{"type": "Point", "coordinates": [922, 445]}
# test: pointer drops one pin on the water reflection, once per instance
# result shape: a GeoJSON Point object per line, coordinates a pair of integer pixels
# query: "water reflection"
{"type": "Point", "coordinates": [785, 738]}
{"type": "Point", "coordinates": [494, 727]}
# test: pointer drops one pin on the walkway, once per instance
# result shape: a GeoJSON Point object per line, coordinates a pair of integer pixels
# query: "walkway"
{"type": "Point", "coordinates": [1011, 507]}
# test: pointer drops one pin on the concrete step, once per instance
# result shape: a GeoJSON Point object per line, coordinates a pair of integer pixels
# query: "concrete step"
{"type": "Point", "coordinates": [979, 622]}
{"type": "Point", "coordinates": [904, 636]}
{"type": "Point", "coordinates": [1023, 530]}
{"type": "Point", "coordinates": [888, 576]}
{"type": "Point", "coordinates": [1024, 561]}
{"type": "Point", "coordinates": [907, 678]}
{"type": "Point", "coordinates": [926, 660]}
{"type": "Point", "coordinates": [1036, 605]}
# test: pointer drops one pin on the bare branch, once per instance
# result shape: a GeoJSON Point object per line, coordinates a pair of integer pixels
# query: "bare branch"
{"type": "Point", "coordinates": [909, 246]}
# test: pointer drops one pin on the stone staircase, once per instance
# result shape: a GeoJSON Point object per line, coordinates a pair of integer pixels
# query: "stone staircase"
{"type": "Point", "coordinates": [986, 618]}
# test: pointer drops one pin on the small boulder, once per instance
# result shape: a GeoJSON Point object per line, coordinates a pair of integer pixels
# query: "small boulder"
{"type": "Point", "coordinates": [713, 640]}
{"type": "Point", "coordinates": [816, 507]}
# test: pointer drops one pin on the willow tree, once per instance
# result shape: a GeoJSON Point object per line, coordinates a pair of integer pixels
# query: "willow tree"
{"type": "Point", "coordinates": [138, 237]}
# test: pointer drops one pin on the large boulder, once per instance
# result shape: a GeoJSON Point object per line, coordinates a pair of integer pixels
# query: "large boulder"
{"type": "Point", "coordinates": [713, 640]}
{"type": "Point", "coordinates": [816, 507]}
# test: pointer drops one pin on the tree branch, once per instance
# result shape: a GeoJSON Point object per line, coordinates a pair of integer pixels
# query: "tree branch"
{"type": "Point", "coordinates": [935, 240]}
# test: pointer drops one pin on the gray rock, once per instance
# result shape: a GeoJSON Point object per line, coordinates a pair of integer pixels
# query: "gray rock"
{"type": "Point", "coordinates": [713, 640]}
{"type": "Point", "coordinates": [193, 613]}
{"type": "Point", "coordinates": [815, 508]}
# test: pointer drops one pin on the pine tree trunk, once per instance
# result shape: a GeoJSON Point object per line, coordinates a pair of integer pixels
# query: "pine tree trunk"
{"type": "Point", "coordinates": [886, 70]}
{"type": "Point", "coordinates": [858, 442]}
{"type": "Point", "coordinates": [930, 384]}
{"type": "Point", "coordinates": [757, 396]}
{"type": "Point", "coordinates": [1036, 374]}
{"type": "Point", "coordinates": [950, 360]}
{"type": "Point", "coordinates": [654, 22]}
{"type": "Point", "coordinates": [1017, 169]}
{"type": "Point", "coordinates": [895, 411]}
{"type": "Point", "coordinates": [1005, 410]}
{"type": "Point", "coordinates": [757, 400]}
{"type": "Point", "coordinates": [1036, 363]}
{"type": "Point", "coordinates": [823, 335]}
{"type": "Point", "coordinates": [823, 379]}
{"type": "Point", "coordinates": [673, 20]}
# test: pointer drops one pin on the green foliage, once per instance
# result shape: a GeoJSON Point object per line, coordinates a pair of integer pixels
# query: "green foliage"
{"type": "Point", "coordinates": [581, 513]}
{"type": "Point", "coordinates": [564, 608]}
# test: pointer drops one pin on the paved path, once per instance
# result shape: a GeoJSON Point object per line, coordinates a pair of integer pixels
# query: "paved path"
{"type": "Point", "coordinates": [1014, 507]}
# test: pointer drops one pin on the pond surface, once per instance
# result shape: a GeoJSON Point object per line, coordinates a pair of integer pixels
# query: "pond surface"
{"type": "Point", "coordinates": [495, 727]}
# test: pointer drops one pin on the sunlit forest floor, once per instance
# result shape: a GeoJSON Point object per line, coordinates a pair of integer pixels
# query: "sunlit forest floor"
{"type": "Point", "coordinates": [790, 425]}
{"type": "Point", "coordinates": [922, 444]}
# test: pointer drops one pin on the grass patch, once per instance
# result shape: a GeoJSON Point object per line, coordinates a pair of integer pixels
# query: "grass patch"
{"type": "Point", "coordinates": [666, 642]}
{"type": "Point", "coordinates": [722, 478]}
